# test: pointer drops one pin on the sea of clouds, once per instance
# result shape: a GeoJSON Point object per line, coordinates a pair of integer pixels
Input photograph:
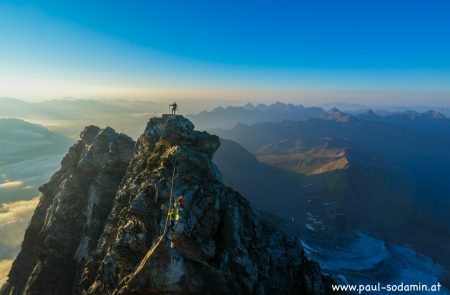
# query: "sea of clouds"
{"type": "Point", "coordinates": [14, 219]}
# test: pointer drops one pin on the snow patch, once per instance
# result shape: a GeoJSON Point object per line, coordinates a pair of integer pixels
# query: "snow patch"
{"type": "Point", "coordinates": [367, 260]}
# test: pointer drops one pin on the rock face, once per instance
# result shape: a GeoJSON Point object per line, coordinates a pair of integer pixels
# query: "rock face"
{"type": "Point", "coordinates": [71, 214]}
{"type": "Point", "coordinates": [218, 245]}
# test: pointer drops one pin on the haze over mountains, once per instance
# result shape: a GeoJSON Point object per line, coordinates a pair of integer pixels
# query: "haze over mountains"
{"type": "Point", "coordinates": [228, 117]}
{"type": "Point", "coordinates": [250, 114]}
{"type": "Point", "coordinates": [372, 182]}
{"type": "Point", "coordinates": [383, 175]}
{"type": "Point", "coordinates": [29, 153]}
{"type": "Point", "coordinates": [69, 116]}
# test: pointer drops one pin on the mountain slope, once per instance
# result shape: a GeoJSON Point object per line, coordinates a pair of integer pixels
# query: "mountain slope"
{"type": "Point", "coordinates": [219, 245]}
{"type": "Point", "coordinates": [268, 189]}
{"type": "Point", "coordinates": [326, 208]}
{"type": "Point", "coordinates": [393, 169]}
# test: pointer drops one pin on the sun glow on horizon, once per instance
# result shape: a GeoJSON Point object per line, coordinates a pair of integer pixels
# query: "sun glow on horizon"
{"type": "Point", "coordinates": [49, 56]}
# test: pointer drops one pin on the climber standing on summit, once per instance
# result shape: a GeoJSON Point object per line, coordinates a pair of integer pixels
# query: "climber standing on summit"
{"type": "Point", "coordinates": [174, 108]}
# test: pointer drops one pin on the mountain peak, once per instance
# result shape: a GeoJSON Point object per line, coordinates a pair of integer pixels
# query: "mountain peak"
{"type": "Point", "coordinates": [91, 235]}
{"type": "Point", "coordinates": [177, 131]}
{"type": "Point", "coordinates": [369, 115]}
{"type": "Point", "coordinates": [435, 115]}
{"type": "Point", "coordinates": [370, 112]}
{"type": "Point", "coordinates": [89, 134]}
{"type": "Point", "coordinates": [336, 115]}
{"type": "Point", "coordinates": [249, 107]}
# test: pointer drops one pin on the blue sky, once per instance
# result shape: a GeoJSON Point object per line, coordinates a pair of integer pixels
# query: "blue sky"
{"type": "Point", "coordinates": [303, 51]}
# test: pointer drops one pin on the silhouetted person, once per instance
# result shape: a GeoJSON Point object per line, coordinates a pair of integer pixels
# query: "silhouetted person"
{"type": "Point", "coordinates": [174, 108]}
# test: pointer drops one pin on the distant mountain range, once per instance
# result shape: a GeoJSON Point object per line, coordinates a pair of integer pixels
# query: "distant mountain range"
{"type": "Point", "coordinates": [385, 175]}
{"type": "Point", "coordinates": [428, 122]}
{"type": "Point", "coordinates": [229, 117]}
{"type": "Point", "coordinates": [249, 114]}
{"type": "Point", "coordinates": [77, 108]}
{"type": "Point", "coordinates": [69, 116]}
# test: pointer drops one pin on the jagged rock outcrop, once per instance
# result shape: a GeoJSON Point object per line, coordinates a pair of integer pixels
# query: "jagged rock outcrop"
{"type": "Point", "coordinates": [219, 245]}
{"type": "Point", "coordinates": [71, 214]}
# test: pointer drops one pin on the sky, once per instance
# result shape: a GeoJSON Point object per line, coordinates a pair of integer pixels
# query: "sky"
{"type": "Point", "coordinates": [362, 51]}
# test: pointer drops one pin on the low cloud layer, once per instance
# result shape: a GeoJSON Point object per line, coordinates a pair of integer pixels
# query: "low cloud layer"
{"type": "Point", "coordinates": [5, 265]}
{"type": "Point", "coordinates": [11, 184]}
{"type": "Point", "coordinates": [14, 219]}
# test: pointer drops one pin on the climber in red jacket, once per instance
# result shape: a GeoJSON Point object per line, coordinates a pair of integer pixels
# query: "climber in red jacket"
{"type": "Point", "coordinates": [180, 202]}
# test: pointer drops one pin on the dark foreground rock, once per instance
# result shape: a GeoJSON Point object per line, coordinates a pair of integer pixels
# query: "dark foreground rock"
{"type": "Point", "coordinates": [122, 244]}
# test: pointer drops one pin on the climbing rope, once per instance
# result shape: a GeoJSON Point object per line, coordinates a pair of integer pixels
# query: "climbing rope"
{"type": "Point", "coordinates": [153, 248]}
{"type": "Point", "coordinates": [160, 239]}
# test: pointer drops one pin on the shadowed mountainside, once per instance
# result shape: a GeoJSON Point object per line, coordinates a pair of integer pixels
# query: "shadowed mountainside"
{"type": "Point", "coordinates": [364, 168]}
{"type": "Point", "coordinates": [330, 209]}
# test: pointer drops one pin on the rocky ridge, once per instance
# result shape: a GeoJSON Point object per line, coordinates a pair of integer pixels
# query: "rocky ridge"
{"type": "Point", "coordinates": [71, 214]}
{"type": "Point", "coordinates": [92, 235]}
